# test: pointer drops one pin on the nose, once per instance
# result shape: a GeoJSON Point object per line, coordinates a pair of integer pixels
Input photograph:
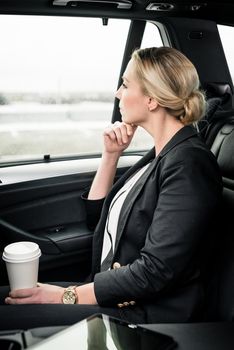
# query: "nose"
{"type": "Point", "coordinates": [118, 93]}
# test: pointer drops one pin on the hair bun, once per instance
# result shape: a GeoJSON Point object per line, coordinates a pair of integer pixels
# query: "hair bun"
{"type": "Point", "coordinates": [194, 107]}
{"type": "Point", "coordinates": [171, 78]}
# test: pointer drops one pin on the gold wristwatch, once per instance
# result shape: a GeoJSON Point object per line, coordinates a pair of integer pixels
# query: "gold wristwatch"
{"type": "Point", "coordinates": [70, 296]}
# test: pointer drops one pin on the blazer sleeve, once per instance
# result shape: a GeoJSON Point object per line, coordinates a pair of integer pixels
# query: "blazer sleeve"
{"type": "Point", "coordinates": [190, 188]}
{"type": "Point", "coordinates": [93, 210]}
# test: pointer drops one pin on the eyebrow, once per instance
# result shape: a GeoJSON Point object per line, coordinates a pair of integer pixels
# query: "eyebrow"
{"type": "Point", "coordinates": [124, 78]}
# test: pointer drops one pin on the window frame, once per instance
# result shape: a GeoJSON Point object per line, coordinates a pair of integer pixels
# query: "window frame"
{"type": "Point", "coordinates": [133, 40]}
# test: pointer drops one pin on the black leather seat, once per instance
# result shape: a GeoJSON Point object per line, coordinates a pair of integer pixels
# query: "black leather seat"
{"type": "Point", "coordinates": [219, 272]}
{"type": "Point", "coordinates": [219, 101]}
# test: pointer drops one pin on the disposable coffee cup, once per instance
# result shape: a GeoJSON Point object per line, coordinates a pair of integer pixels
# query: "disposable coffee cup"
{"type": "Point", "coordinates": [22, 263]}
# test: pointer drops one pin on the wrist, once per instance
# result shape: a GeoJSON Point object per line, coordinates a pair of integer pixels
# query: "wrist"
{"type": "Point", "coordinates": [87, 294]}
{"type": "Point", "coordinates": [111, 158]}
{"type": "Point", "coordinates": [70, 295]}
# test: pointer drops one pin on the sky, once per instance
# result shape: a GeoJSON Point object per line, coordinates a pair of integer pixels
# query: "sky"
{"type": "Point", "coordinates": [64, 54]}
{"type": "Point", "coordinates": [46, 53]}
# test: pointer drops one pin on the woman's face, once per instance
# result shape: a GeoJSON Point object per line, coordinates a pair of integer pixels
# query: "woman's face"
{"type": "Point", "coordinates": [133, 103]}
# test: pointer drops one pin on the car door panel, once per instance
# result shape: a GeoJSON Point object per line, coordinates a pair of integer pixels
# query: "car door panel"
{"type": "Point", "coordinates": [51, 213]}
{"type": "Point", "coordinates": [49, 210]}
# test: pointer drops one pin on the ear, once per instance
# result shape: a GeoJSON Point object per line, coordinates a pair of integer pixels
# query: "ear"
{"type": "Point", "coordinates": [152, 104]}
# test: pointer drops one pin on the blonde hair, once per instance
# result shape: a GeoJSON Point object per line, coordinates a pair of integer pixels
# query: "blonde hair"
{"type": "Point", "coordinates": [168, 76]}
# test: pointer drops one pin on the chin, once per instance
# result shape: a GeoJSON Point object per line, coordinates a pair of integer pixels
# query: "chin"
{"type": "Point", "coordinates": [125, 119]}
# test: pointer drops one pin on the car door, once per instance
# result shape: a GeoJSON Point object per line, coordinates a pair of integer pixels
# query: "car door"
{"type": "Point", "coordinates": [51, 140]}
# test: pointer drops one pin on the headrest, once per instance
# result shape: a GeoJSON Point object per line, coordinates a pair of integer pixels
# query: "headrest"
{"type": "Point", "coordinates": [223, 148]}
{"type": "Point", "coordinates": [221, 90]}
{"type": "Point", "coordinates": [212, 106]}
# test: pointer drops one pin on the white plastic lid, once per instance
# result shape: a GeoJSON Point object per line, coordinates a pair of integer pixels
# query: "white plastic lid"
{"type": "Point", "coordinates": [21, 252]}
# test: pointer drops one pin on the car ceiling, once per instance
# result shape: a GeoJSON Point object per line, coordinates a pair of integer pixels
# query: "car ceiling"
{"type": "Point", "coordinates": [220, 12]}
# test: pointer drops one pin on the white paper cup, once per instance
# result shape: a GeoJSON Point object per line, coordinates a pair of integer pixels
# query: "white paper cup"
{"type": "Point", "coordinates": [22, 262]}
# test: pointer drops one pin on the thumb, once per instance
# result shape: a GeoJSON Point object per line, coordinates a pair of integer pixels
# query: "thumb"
{"type": "Point", "coordinates": [131, 128]}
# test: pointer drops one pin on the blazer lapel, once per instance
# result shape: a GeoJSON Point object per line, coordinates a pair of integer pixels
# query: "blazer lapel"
{"type": "Point", "coordinates": [99, 232]}
{"type": "Point", "coordinates": [142, 162]}
{"type": "Point", "coordinates": [181, 135]}
{"type": "Point", "coordinates": [133, 194]}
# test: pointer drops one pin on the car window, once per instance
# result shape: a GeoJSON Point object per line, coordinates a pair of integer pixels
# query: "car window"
{"type": "Point", "coordinates": [57, 85]}
{"type": "Point", "coordinates": [226, 34]}
{"type": "Point", "coordinates": [152, 37]}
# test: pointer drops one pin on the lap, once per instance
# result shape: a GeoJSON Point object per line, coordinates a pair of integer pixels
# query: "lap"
{"type": "Point", "coordinates": [44, 315]}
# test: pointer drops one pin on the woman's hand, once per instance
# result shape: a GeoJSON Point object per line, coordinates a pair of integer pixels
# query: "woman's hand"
{"type": "Point", "coordinates": [43, 294]}
{"type": "Point", "coordinates": [117, 137]}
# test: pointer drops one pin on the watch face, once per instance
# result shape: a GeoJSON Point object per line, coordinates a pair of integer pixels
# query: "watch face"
{"type": "Point", "coordinates": [69, 297]}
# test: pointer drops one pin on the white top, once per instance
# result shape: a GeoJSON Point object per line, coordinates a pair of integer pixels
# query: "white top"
{"type": "Point", "coordinates": [114, 212]}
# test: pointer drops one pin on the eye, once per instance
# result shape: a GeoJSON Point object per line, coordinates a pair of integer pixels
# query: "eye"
{"type": "Point", "coordinates": [124, 85]}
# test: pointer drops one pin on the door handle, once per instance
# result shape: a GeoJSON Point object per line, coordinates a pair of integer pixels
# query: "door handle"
{"type": "Point", "coordinates": [14, 234]}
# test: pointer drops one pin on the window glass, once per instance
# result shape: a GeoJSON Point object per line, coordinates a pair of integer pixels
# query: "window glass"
{"type": "Point", "coordinates": [58, 76]}
{"type": "Point", "coordinates": [226, 34]}
{"type": "Point", "coordinates": [152, 37]}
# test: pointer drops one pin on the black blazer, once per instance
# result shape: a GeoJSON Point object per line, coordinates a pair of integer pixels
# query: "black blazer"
{"type": "Point", "coordinates": [162, 225]}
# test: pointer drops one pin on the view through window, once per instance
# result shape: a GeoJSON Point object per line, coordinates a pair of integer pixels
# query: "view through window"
{"type": "Point", "coordinates": [226, 33]}
{"type": "Point", "coordinates": [58, 77]}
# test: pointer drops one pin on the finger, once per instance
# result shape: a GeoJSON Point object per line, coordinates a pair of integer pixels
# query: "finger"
{"type": "Point", "coordinates": [124, 133]}
{"type": "Point", "coordinates": [110, 134]}
{"type": "Point", "coordinates": [114, 133]}
{"type": "Point", "coordinates": [22, 293]}
{"type": "Point", "coordinates": [123, 129]}
{"type": "Point", "coordinates": [20, 301]}
{"type": "Point", "coordinates": [118, 134]}
{"type": "Point", "coordinates": [131, 128]}
{"type": "Point", "coordinates": [112, 126]}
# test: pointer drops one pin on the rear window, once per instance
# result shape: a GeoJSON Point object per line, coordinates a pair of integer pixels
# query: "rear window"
{"type": "Point", "coordinates": [226, 34]}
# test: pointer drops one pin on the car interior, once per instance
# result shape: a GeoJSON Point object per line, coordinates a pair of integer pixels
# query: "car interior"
{"type": "Point", "coordinates": [40, 199]}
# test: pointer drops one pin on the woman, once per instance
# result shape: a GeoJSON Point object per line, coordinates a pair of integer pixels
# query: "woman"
{"type": "Point", "coordinates": [152, 224]}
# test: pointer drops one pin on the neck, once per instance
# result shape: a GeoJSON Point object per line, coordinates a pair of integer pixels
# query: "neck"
{"type": "Point", "coordinates": [162, 127]}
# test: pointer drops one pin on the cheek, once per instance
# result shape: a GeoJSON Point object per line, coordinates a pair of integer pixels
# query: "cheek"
{"type": "Point", "coordinates": [130, 100]}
